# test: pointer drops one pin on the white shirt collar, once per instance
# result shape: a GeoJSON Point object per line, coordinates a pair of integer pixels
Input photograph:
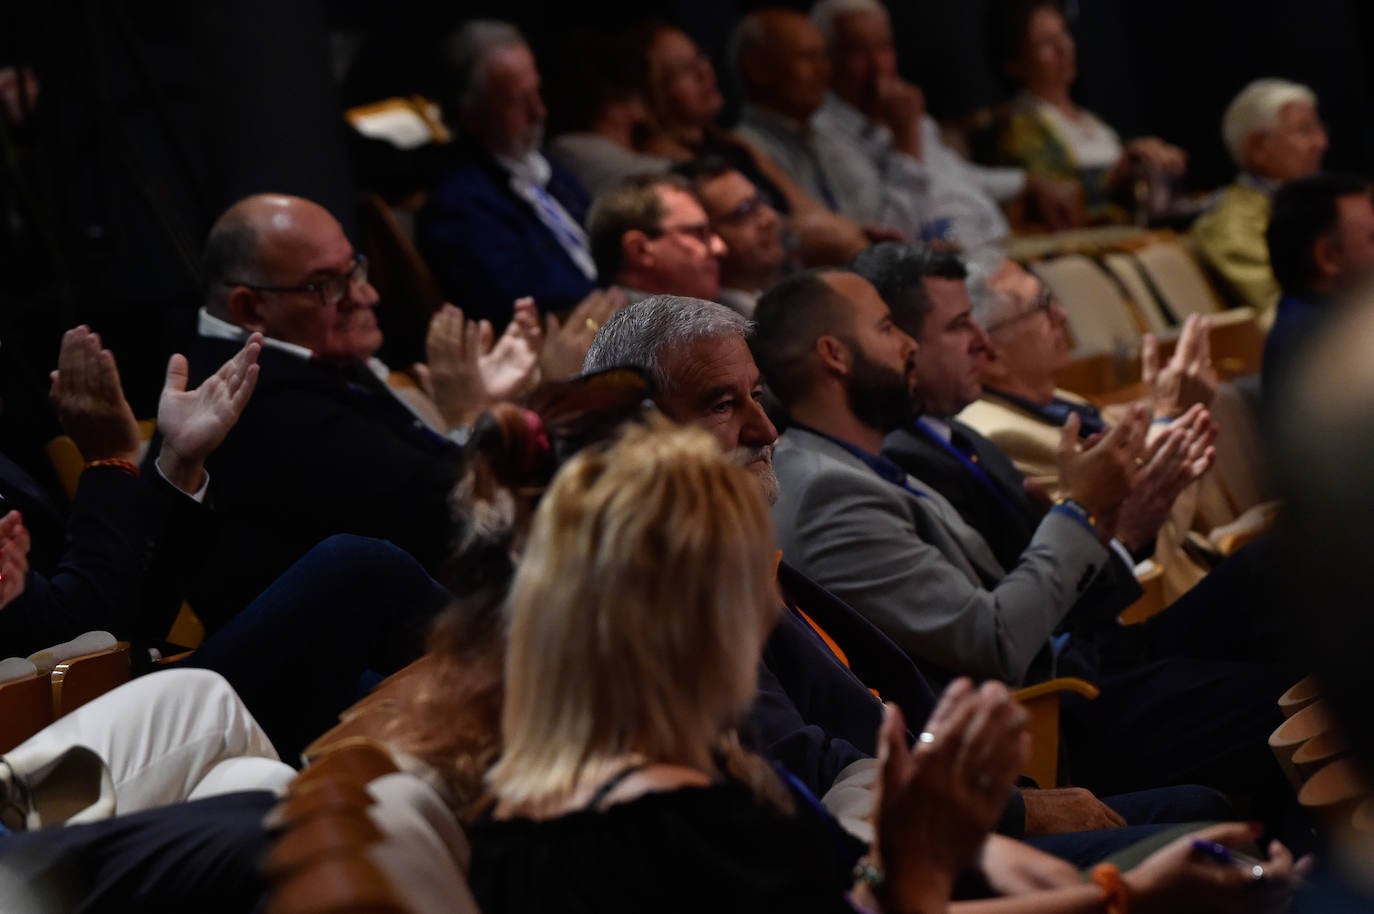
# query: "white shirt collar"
{"type": "Point", "coordinates": [216, 328]}
{"type": "Point", "coordinates": [533, 168]}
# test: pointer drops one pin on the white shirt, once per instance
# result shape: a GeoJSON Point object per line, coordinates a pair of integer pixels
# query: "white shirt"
{"type": "Point", "coordinates": [1091, 142]}
{"type": "Point", "coordinates": [529, 177]}
{"type": "Point", "coordinates": [939, 196]}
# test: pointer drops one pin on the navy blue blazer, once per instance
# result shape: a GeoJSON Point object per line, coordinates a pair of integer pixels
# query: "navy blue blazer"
{"type": "Point", "coordinates": [318, 450]}
{"type": "Point", "coordinates": [816, 717]}
{"type": "Point", "coordinates": [121, 568]}
{"type": "Point", "coordinates": [487, 246]}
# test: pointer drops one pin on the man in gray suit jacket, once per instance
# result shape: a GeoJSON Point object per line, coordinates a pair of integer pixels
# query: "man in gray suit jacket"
{"type": "Point", "coordinates": [899, 553]}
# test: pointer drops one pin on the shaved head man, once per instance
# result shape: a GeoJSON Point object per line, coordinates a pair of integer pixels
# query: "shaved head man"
{"type": "Point", "coordinates": [282, 266]}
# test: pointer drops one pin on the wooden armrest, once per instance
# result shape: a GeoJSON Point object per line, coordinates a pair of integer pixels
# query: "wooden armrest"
{"type": "Point", "coordinates": [1150, 602]}
{"type": "Point", "coordinates": [1042, 704]}
{"type": "Point", "coordinates": [1056, 687]}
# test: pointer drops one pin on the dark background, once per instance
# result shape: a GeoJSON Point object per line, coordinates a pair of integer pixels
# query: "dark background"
{"type": "Point", "coordinates": [154, 116]}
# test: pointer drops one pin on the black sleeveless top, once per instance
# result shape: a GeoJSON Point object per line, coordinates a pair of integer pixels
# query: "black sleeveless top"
{"type": "Point", "coordinates": [695, 849]}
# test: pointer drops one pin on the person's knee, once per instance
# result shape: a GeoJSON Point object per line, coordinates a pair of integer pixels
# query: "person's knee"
{"type": "Point", "coordinates": [349, 550]}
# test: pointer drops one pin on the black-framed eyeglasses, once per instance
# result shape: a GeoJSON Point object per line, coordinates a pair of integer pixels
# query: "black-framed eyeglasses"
{"type": "Point", "coordinates": [702, 231]}
{"type": "Point", "coordinates": [1045, 301]}
{"type": "Point", "coordinates": [331, 289]}
{"type": "Point", "coordinates": [745, 211]}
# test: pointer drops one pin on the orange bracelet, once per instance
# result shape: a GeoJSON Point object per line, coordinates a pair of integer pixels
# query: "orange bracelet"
{"type": "Point", "coordinates": [127, 466]}
{"type": "Point", "coordinates": [1107, 877]}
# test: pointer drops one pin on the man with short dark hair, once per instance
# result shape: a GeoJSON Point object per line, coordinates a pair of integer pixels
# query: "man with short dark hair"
{"type": "Point", "coordinates": [897, 551]}
{"type": "Point", "coordinates": [752, 230]}
{"type": "Point", "coordinates": [1321, 244]}
{"type": "Point", "coordinates": [650, 236]}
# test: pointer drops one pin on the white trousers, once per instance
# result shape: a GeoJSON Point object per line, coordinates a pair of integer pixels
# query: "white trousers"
{"type": "Point", "coordinates": [170, 736]}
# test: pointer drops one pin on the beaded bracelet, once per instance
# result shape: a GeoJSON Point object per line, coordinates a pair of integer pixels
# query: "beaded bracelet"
{"type": "Point", "coordinates": [126, 466]}
{"type": "Point", "coordinates": [1078, 509]}
{"type": "Point", "coordinates": [1107, 877]}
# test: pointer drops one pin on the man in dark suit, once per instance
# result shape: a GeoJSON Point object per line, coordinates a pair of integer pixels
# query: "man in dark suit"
{"type": "Point", "coordinates": [504, 222]}
{"type": "Point", "coordinates": [324, 447]}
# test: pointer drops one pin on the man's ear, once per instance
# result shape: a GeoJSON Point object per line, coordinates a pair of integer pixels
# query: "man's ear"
{"type": "Point", "coordinates": [1255, 151]}
{"type": "Point", "coordinates": [1326, 259]}
{"type": "Point", "coordinates": [245, 308]}
{"type": "Point", "coordinates": [634, 249]}
{"type": "Point", "coordinates": [835, 355]}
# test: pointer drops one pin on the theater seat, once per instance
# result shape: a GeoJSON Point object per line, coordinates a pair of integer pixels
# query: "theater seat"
{"type": "Point", "coordinates": [1100, 317]}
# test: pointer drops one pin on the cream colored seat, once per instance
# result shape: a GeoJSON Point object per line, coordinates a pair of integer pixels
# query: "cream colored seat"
{"type": "Point", "coordinates": [1100, 318]}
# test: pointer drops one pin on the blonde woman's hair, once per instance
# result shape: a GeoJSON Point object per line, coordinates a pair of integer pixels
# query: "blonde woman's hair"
{"type": "Point", "coordinates": [637, 615]}
{"type": "Point", "coordinates": [1256, 108]}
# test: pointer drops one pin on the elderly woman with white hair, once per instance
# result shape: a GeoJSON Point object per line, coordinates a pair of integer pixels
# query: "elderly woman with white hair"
{"type": "Point", "coordinates": [1274, 136]}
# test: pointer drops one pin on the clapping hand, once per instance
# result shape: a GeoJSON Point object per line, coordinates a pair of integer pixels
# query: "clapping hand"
{"type": "Point", "coordinates": [1100, 473]}
{"type": "Point", "coordinates": [1188, 378]}
{"type": "Point", "coordinates": [195, 422]}
{"type": "Point", "coordinates": [89, 400]}
{"type": "Point", "coordinates": [1175, 460]}
{"type": "Point", "coordinates": [14, 557]}
{"type": "Point", "coordinates": [937, 803]}
{"type": "Point", "coordinates": [510, 369]}
{"type": "Point", "coordinates": [566, 342]}
{"type": "Point", "coordinates": [466, 372]}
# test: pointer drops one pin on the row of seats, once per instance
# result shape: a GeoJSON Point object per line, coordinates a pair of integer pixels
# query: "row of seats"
{"type": "Point", "coordinates": [1123, 286]}
{"type": "Point", "coordinates": [1316, 759]}
{"type": "Point", "coordinates": [57, 682]}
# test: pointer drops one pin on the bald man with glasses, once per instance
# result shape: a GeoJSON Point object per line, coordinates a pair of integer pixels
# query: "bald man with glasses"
{"type": "Point", "coordinates": [324, 447]}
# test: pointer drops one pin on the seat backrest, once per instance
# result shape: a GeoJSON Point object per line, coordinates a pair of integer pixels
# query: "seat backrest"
{"type": "Point", "coordinates": [1099, 316]}
{"type": "Point", "coordinates": [1175, 274]}
{"type": "Point", "coordinates": [25, 708]}
{"type": "Point", "coordinates": [409, 292]}
{"type": "Point", "coordinates": [1124, 268]}
{"type": "Point", "coordinates": [86, 678]}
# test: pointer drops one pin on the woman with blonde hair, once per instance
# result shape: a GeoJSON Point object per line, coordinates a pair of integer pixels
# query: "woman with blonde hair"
{"type": "Point", "coordinates": [634, 627]}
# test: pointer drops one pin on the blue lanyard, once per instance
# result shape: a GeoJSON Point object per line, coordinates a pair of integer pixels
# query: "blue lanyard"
{"type": "Point", "coordinates": [978, 472]}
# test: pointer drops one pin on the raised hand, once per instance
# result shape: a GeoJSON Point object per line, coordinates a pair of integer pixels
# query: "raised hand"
{"type": "Point", "coordinates": [1102, 473]}
{"type": "Point", "coordinates": [195, 422]}
{"type": "Point", "coordinates": [937, 803]}
{"type": "Point", "coordinates": [566, 342]}
{"type": "Point", "coordinates": [510, 368]}
{"type": "Point", "coordinates": [1188, 378]}
{"type": "Point", "coordinates": [901, 107]}
{"type": "Point", "coordinates": [89, 400]}
{"type": "Point", "coordinates": [14, 557]}
{"type": "Point", "coordinates": [453, 350]}
{"type": "Point", "coordinates": [1175, 460]}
